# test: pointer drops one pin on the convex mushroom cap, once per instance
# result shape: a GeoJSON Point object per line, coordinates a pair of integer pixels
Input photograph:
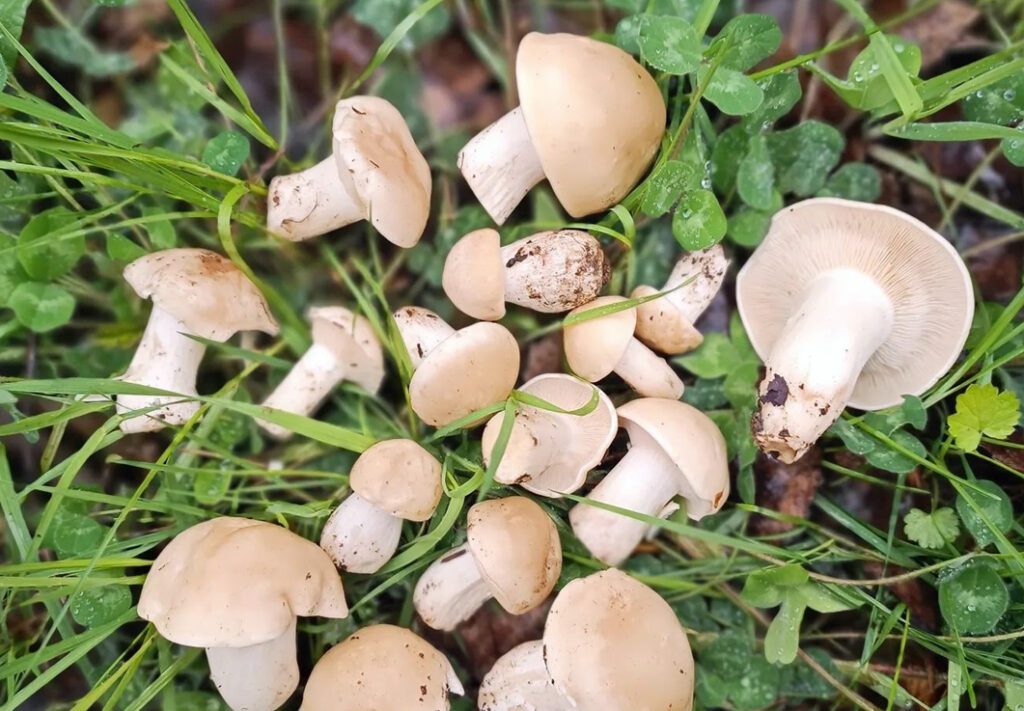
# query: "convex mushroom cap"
{"type": "Point", "coordinates": [550, 452]}
{"type": "Point", "coordinates": [848, 303]}
{"type": "Point", "coordinates": [549, 272]}
{"type": "Point", "coordinates": [235, 587]}
{"type": "Point", "coordinates": [376, 172]}
{"type": "Point", "coordinates": [597, 347]}
{"type": "Point", "coordinates": [194, 292]}
{"type": "Point", "coordinates": [512, 554]}
{"type": "Point", "coordinates": [675, 450]}
{"type": "Point", "coordinates": [456, 372]}
{"type": "Point", "coordinates": [378, 668]}
{"type": "Point", "coordinates": [393, 480]}
{"type": "Point", "coordinates": [571, 127]}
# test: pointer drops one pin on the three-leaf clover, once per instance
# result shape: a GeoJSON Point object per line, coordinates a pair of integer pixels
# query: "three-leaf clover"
{"type": "Point", "coordinates": [983, 410]}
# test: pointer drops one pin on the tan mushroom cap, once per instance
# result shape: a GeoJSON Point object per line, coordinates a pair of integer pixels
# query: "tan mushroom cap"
{"type": "Point", "coordinates": [594, 347]}
{"type": "Point", "coordinates": [471, 369]}
{"type": "Point", "coordinates": [611, 642]}
{"type": "Point", "coordinates": [378, 158]}
{"type": "Point", "coordinates": [920, 271]}
{"type": "Point", "coordinates": [473, 276]}
{"type": "Point", "coordinates": [400, 477]}
{"type": "Point", "coordinates": [595, 116]}
{"type": "Point", "coordinates": [351, 337]}
{"type": "Point", "coordinates": [203, 290]}
{"type": "Point", "coordinates": [661, 326]}
{"type": "Point", "coordinates": [379, 668]}
{"type": "Point", "coordinates": [517, 550]}
{"type": "Point", "coordinates": [234, 582]}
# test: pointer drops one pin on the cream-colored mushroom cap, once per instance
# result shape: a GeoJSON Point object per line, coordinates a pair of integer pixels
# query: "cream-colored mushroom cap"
{"type": "Point", "coordinates": [379, 159]}
{"type": "Point", "coordinates": [234, 582]}
{"type": "Point", "coordinates": [399, 477]}
{"type": "Point", "coordinates": [381, 668]}
{"type": "Point", "coordinates": [203, 290]}
{"type": "Point", "coordinates": [473, 276]}
{"type": "Point", "coordinates": [661, 326]}
{"type": "Point", "coordinates": [611, 642]}
{"type": "Point", "coordinates": [595, 346]}
{"type": "Point", "coordinates": [517, 551]}
{"type": "Point", "coordinates": [595, 117]}
{"type": "Point", "coordinates": [920, 272]}
{"type": "Point", "coordinates": [351, 338]}
{"type": "Point", "coordinates": [475, 367]}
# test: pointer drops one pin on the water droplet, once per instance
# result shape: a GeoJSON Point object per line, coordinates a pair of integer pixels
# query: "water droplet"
{"type": "Point", "coordinates": [765, 125]}
{"type": "Point", "coordinates": [1015, 144]}
{"type": "Point", "coordinates": [979, 93]}
{"type": "Point", "coordinates": [873, 68]}
{"type": "Point", "coordinates": [705, 182]}
{"type": "Point", "coordinates": [898, 48]}
{"type": "Point", "coordinates": [1009, 94]}
{"type": "Point", "coordinates": [971, 608]}
{"type": "Point", "coordinates": [857, 76]}
{"type": "Point", "coordinates": [687, 214]}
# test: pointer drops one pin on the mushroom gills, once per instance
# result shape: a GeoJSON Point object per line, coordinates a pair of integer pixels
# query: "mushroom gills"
{"type": "Point", "coordinates": [360, 537]}
{"type": "Point", "coordinates": [519, 681]}
{"type": "Point", "coordinates": [648, 373]}
{"type": "Point", "coordinates": [307, 384]}
{"type": "Point", "coordinates": [535, 441]}
{"type": "Point", "coordinates": [451, 590]}
{"type": "Point", "coordinates": [256, 678]}
{"type": "Point", "coordinates": [312, 202]}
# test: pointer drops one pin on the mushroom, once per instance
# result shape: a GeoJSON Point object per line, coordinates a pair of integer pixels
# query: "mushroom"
{"type": "Point", "coordinates": [572, 127]}
{"type": "Point", "coordinates": [235, 587]}
{"type": "Point", "coordinates": [344, 348]}
{"type": "Point", "coordinates": [599, 346]}
{"type": "Point", "coordinates": [392, 480]}
{"type": "Point", "coordinates": [550, 272]}
{"type": "Point", "coordinates": [376, 173]}
{"type": "Point", "coordinates": [550, 453]}
{"type": "Point", "coordinates": [666, 323]}
{"type": "Point", "coordinates": [675, 450]}
{"type": "Point", "coordinates": [381, 667]}
{"type": "Point", "coordinates": [519, 681]}
{"type": "Point", "coordinates": [195, 292]}
{"type": "Point", "coordinates": [847, 303]}
{"type": "Point", "coordinates": [456, 372]}
{"type": "Point", "coordinates": [512, 553]}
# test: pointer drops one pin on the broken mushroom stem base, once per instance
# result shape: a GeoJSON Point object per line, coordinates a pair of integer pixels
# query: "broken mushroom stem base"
{"type": "Point", "coordinates": [307, 384]}
{"type": "Point", "coordinates": [359, 536]}
{"type": "Point", "coordinates": [450, 590]}
{"type": "Point", "coordinates": [260, 677]}
{"type": "Point", "coordinates": [648, 373]}
{"type": "Point", "coordinates": [702, 274]}
{"type": "Point", "coordinates": [311, 203]}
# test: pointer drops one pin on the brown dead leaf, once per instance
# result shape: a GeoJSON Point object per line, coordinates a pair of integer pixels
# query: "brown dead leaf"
{"type": "Point", "coordinates": [919, 598]}
{"type": "Point", "coordinates": [940, 29]}
{"type": "Point", "coordinates": [543, 356]}
{"type": "Point", "coordinates": [786, 488]}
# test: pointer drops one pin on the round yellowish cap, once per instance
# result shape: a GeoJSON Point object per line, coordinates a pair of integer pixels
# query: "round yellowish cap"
{"type": "Point", "coordinates": [595, 346]}
{"type": "Point", "coordinates": [400, 477]}
{"type": "Point", "coordinates": [473, 276]}
{"type": "Point", "coordinates": [661, 326]}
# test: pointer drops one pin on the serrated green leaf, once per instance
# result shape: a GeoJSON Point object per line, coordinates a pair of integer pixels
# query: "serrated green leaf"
{"type": "Point", "coordinates": [45, 255]}
{"type": "Point", "coordinates": [854, 181]}
{"type": "Point", "coordinates": [226, 152]}
{"type": "Point", "coordinates": [41, 307]}
{"type": "Point", "coordinates": [983, 410]}
{"type": "Point", "coordinates": [973, 599]}
{"type": "Point", "coordinates": [669, 44]}
{"type": "Point", "coordinates": [755, 180]}
{"type": "Point", "coordinates": [931, 530]}
{"type": "Point", "coordinates": [733, 92]}
{"type": "Point", "coordinates": [804, 156]}
{"type": "Point", "coordinates": [699, 222]}
{"type": "Point", "coordinates": [996, 508]}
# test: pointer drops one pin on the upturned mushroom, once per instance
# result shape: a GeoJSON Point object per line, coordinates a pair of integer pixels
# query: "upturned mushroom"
{"type": "Point", "coordinates": [456, 372]}
{"type": "Point", "coordinates": [549, 272]}
{"type": "Point", "coordinates": [195, 292]}
{"type": "Point", "coordinates": [549, 452]}
{"type": "Point", "coordinates": [666, 323]}
{"type": "Point", "coordinates": [378, 668]}
{"type": "Point", "coordinates": [848, 304]}
{"type": "Point", "coordinates": [675, 450]}
{"type": "Point", "coordinates": [344, 349]}
{"type": "Point", "coordinates": [235, 587]}
{"type": "Point", "coordinates": [597, 347]}
{"type": "Point", "coordinates": [375, 173]}
{"type": "Point", "coordinates": [512, 553]}
{"type": "Point", "coordinates": [393, 480]}
{"type": "Point", "coordinates": [571, 127]}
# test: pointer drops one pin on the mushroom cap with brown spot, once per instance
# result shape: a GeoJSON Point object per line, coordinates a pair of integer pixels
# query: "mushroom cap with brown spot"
{"type": "Point", "coordinates": [924, 277]}
{"type": "Point", "coordinates": [517, 550]}
{"type": "Point", "coordinates": [351, 338]}
{"type": "Point", "coordinates": [378, 668]}
{"type": "Point", "coordinates": [611, 642]}
{"type": "Point", "coordinates": [235, 582]}
{"type": "Point", "coordinates": [595, 346]}
{"type": "Point", "coordinates": [400, 477]}
{"type": "Point", "coordinates": [473, 276]}
{"type": "Point", "coordinates": [595, 117]}
{"type": "Point", "coordinates": [661, 326]}
{"type": "Point", "coordinates": [471, 369]}
{"type": "Point", "coordinates": [378, 159]}
{"type": "Point", "coordinates": [203, 290]}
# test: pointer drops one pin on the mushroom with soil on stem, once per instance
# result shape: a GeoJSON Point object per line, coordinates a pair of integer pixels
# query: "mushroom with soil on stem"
{"type": "Point", "coordinates": [549, 272]}
{"type": "Point", "coordinates": [235, 586]}
{"type": "Point", "coordinates": [393, 480]}
{"type": "Point", "coordinates": [597, 347]}
{"type": "Point", "coordinates": [375, 173]}
{"type": "Point", "coordinates": [381, 667]}
{"type": "Point", "coordinates": [571, 127]}
{"type": "Point", "coordinates": [550, 452]}
{"type": "Point", "coordinates": [512, 553]}
{"type": "Point", "coordinates": [195, 292]}
{"type": "Point", "coordinates": [848, 304]}
{"type": "Point", "coordinates": [344, 349]}
{"type": "Point", "coordinates": [675, 450]}
{"type": "Point", "coordinates": [456, 372]}
{"type": "Point", "coordinates": [666, 324]}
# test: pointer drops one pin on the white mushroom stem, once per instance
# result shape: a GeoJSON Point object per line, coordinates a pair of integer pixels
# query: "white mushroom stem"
{"type": "Point", "coordinates": [814, 365]}
{"type": "Point", "coordinates": [166, 359]}
{"type": "Point", "coordinates": [450, 590]}
{"type": "Point", "coordinates": [501, 165]}
{"type": "Point", "coordinates": [421, 331]}
{"type": "Point", "coordinates": [309, 381]}
{"type": "Point", "coordinates": [648, 373]}
{"type": "Point", "coordinates": [519, 681]}
{"type": "Point", "coordinates": [256, 678]}
{"type": "Point", "coordinates": [360, 537]}
{"type": "Point", "coordinates": [311, 203]}
{"type": "Point", "coordinates": [705, 271]}
{"type": "Point", "coordinates": [536, 438]}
